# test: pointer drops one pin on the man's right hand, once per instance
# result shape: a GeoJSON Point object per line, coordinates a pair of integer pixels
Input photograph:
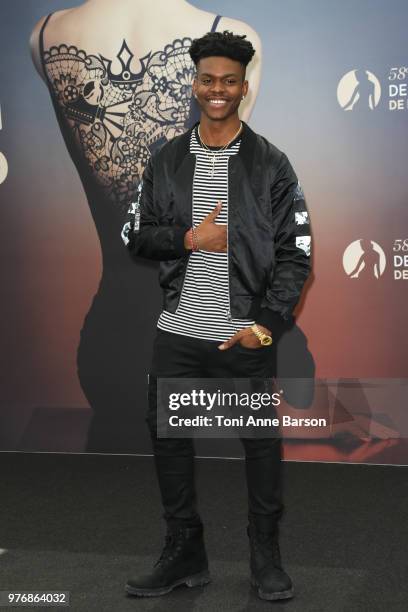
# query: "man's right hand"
{"type": "Point", "coordinates": [210, 236]}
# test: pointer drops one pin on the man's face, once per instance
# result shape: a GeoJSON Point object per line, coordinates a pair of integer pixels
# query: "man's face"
{"type": "Point", "coordinates": [219, 86]}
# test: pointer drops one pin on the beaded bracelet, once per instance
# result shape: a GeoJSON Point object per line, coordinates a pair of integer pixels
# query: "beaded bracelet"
{"type": "Point", "coordinates": [194, 239]}
{"type": "Point", "coordinates": [189, 236]}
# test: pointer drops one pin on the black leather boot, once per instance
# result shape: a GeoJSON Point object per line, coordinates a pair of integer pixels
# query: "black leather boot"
{"type": "Point", "coordinates": [267, 575]}
{"type": "Point", "coordinates": [183, 561]}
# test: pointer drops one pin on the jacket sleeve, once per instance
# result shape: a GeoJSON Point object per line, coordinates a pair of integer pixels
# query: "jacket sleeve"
{"type": "Point", "coordinates": [291, 229]}
{"type": "Point", "coordinates": [147, 231]}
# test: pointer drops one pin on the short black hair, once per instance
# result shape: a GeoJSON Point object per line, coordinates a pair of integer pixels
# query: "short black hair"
{"type": "Point", "coordinates": [225, 44]}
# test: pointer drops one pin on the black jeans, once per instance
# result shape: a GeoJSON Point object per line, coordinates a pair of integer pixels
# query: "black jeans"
{"type": "Point", "coordinates": [176, 356]}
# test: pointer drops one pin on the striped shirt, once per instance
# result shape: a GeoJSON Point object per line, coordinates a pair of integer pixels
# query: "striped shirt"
{"type": "Point", "coordinates": [204, 307]}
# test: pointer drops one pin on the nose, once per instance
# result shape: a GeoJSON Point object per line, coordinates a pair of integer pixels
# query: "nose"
{"type": "Point", "coordinates": [217, 88]}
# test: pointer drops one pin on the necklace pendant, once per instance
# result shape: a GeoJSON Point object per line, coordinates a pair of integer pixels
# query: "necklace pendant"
{"type": "Point", "coordinates": [211, 172]}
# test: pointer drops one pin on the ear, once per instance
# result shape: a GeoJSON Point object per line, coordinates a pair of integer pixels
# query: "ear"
{"type": "Point", "coordinates": [245, 88]}
{"type": "Point", "coordinates": [194, 86]}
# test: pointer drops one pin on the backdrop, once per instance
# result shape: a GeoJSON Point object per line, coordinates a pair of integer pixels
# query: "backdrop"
{"type": "Point", "coordinates": [334, 96]}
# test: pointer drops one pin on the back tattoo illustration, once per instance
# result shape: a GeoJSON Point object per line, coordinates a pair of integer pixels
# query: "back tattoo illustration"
{"type": "Point", "coordinates": [118, 119]}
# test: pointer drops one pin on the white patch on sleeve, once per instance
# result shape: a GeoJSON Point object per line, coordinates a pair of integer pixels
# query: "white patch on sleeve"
{"type": "Point", "coordinates": [137, 216]}
{"type": "Point", "coordinates": [304, 243]}
{"type": "Point", "coordinates": [124, 233]}
{"type": "Point", "coordinates": [132, 208]}
{"type": "Point", "coordinates": [301, 218]}
{"type": "Point", "coordinates": [136, 207]}
{"type": "Point", "coordinates": [134, 211]}
{"type": "Point", "coordinates": [299, 195]}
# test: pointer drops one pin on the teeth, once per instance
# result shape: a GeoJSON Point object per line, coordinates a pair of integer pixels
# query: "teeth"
{"type": "Point", "coordinates": [217, 101]}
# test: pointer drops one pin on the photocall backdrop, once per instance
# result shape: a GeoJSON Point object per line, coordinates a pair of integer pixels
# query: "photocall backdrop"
{"type": "Point", "coordinates": [334, 97]}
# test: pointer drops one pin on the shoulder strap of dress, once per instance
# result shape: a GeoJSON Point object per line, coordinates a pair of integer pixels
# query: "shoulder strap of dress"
{"type": "Point", "coordinates": [214, 25]}
{"type": "Point", "coordinates": [41, 44]}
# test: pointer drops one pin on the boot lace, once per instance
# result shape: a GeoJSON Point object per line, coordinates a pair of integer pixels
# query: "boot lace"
{"type": "Point", "coordinates": [171, 548]}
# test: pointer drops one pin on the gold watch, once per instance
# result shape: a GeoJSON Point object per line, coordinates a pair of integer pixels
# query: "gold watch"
{"type": "Point", "coordinates": [264, 339]}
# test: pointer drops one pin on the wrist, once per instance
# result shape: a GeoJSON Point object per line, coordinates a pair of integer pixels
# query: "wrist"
{"type": "Point", "coordinates": [263, 334]}
{"type": "Point", "coordinates": [194, 239]}
{"type": "Point", "coordinates": [188, 240]}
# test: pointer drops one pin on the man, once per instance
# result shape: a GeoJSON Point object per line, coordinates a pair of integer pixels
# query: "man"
{"type": "Point", "coordinates": [223, 211]}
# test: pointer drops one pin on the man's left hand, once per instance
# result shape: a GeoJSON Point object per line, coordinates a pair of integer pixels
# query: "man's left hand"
{"type": "Point", "coordinates": [246, 338]}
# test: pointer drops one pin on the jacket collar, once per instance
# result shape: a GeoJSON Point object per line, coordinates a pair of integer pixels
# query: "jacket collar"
{"type": "Point", "coordinates": [246, 150]}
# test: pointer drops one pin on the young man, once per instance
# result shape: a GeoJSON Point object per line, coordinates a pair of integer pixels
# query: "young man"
{"type": "Point", "coordinates": [223, 211]}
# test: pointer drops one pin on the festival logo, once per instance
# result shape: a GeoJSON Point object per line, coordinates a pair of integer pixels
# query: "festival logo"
{"type": "Point", "coordinates": [364, 259]}
{"type": "Point", "coordinates": [358, 90]}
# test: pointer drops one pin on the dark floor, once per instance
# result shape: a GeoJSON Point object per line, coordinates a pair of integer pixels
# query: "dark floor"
{"type": "Point", "coordinates": [85, 523]}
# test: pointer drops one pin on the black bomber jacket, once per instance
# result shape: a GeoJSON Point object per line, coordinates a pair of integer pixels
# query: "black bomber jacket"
{"type": "Point", "coordinates": [268, 227]}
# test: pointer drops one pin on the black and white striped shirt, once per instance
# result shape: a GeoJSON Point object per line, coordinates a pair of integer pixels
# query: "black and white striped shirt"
{"type": "Point", "coordinates": [204, 306]}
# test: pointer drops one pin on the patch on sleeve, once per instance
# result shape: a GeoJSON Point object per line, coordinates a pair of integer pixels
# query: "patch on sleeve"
{"type": "Point", "coordinates": [134, 210]}
{"type": "Point", "coordinates": [125, 232]}
{"type": "Point", "coordinates": [304, 243]}
{"type": "Point", "coordinates": [136, 207]}
{"type": "Point", "coordinates": [137, 217]}
{"type": "Point", "coordinates": [299, 195]}
{"type": "Point", "coordinates": [301, 218]}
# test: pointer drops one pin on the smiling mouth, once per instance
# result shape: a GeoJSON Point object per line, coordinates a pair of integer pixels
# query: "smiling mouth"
{"type": "Point", "coordinates": [217, 102]}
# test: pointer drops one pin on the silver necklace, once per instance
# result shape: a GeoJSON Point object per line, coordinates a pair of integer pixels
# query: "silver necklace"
{"type": "Point", "coordinates": [212, 154]}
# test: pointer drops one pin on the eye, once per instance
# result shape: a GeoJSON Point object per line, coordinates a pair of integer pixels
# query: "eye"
{"type": "Point", "coordinates": [231, 81]}
{"type": "Point", "coordinates": [205, 81]}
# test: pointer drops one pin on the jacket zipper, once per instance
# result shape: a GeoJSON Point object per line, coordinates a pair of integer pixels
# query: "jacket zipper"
{"type": "Point", "coordinates": [192, 224]}
{"type": "Point", "coordinates": [229, 318]}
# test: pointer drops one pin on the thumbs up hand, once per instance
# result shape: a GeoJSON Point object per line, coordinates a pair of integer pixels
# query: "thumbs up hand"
{"type": "Point", "coordinates": [210, 235]}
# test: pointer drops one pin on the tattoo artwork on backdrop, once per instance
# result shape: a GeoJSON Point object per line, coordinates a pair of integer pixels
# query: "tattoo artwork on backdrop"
{"type": "Point", "coordinates": [118, 119]}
